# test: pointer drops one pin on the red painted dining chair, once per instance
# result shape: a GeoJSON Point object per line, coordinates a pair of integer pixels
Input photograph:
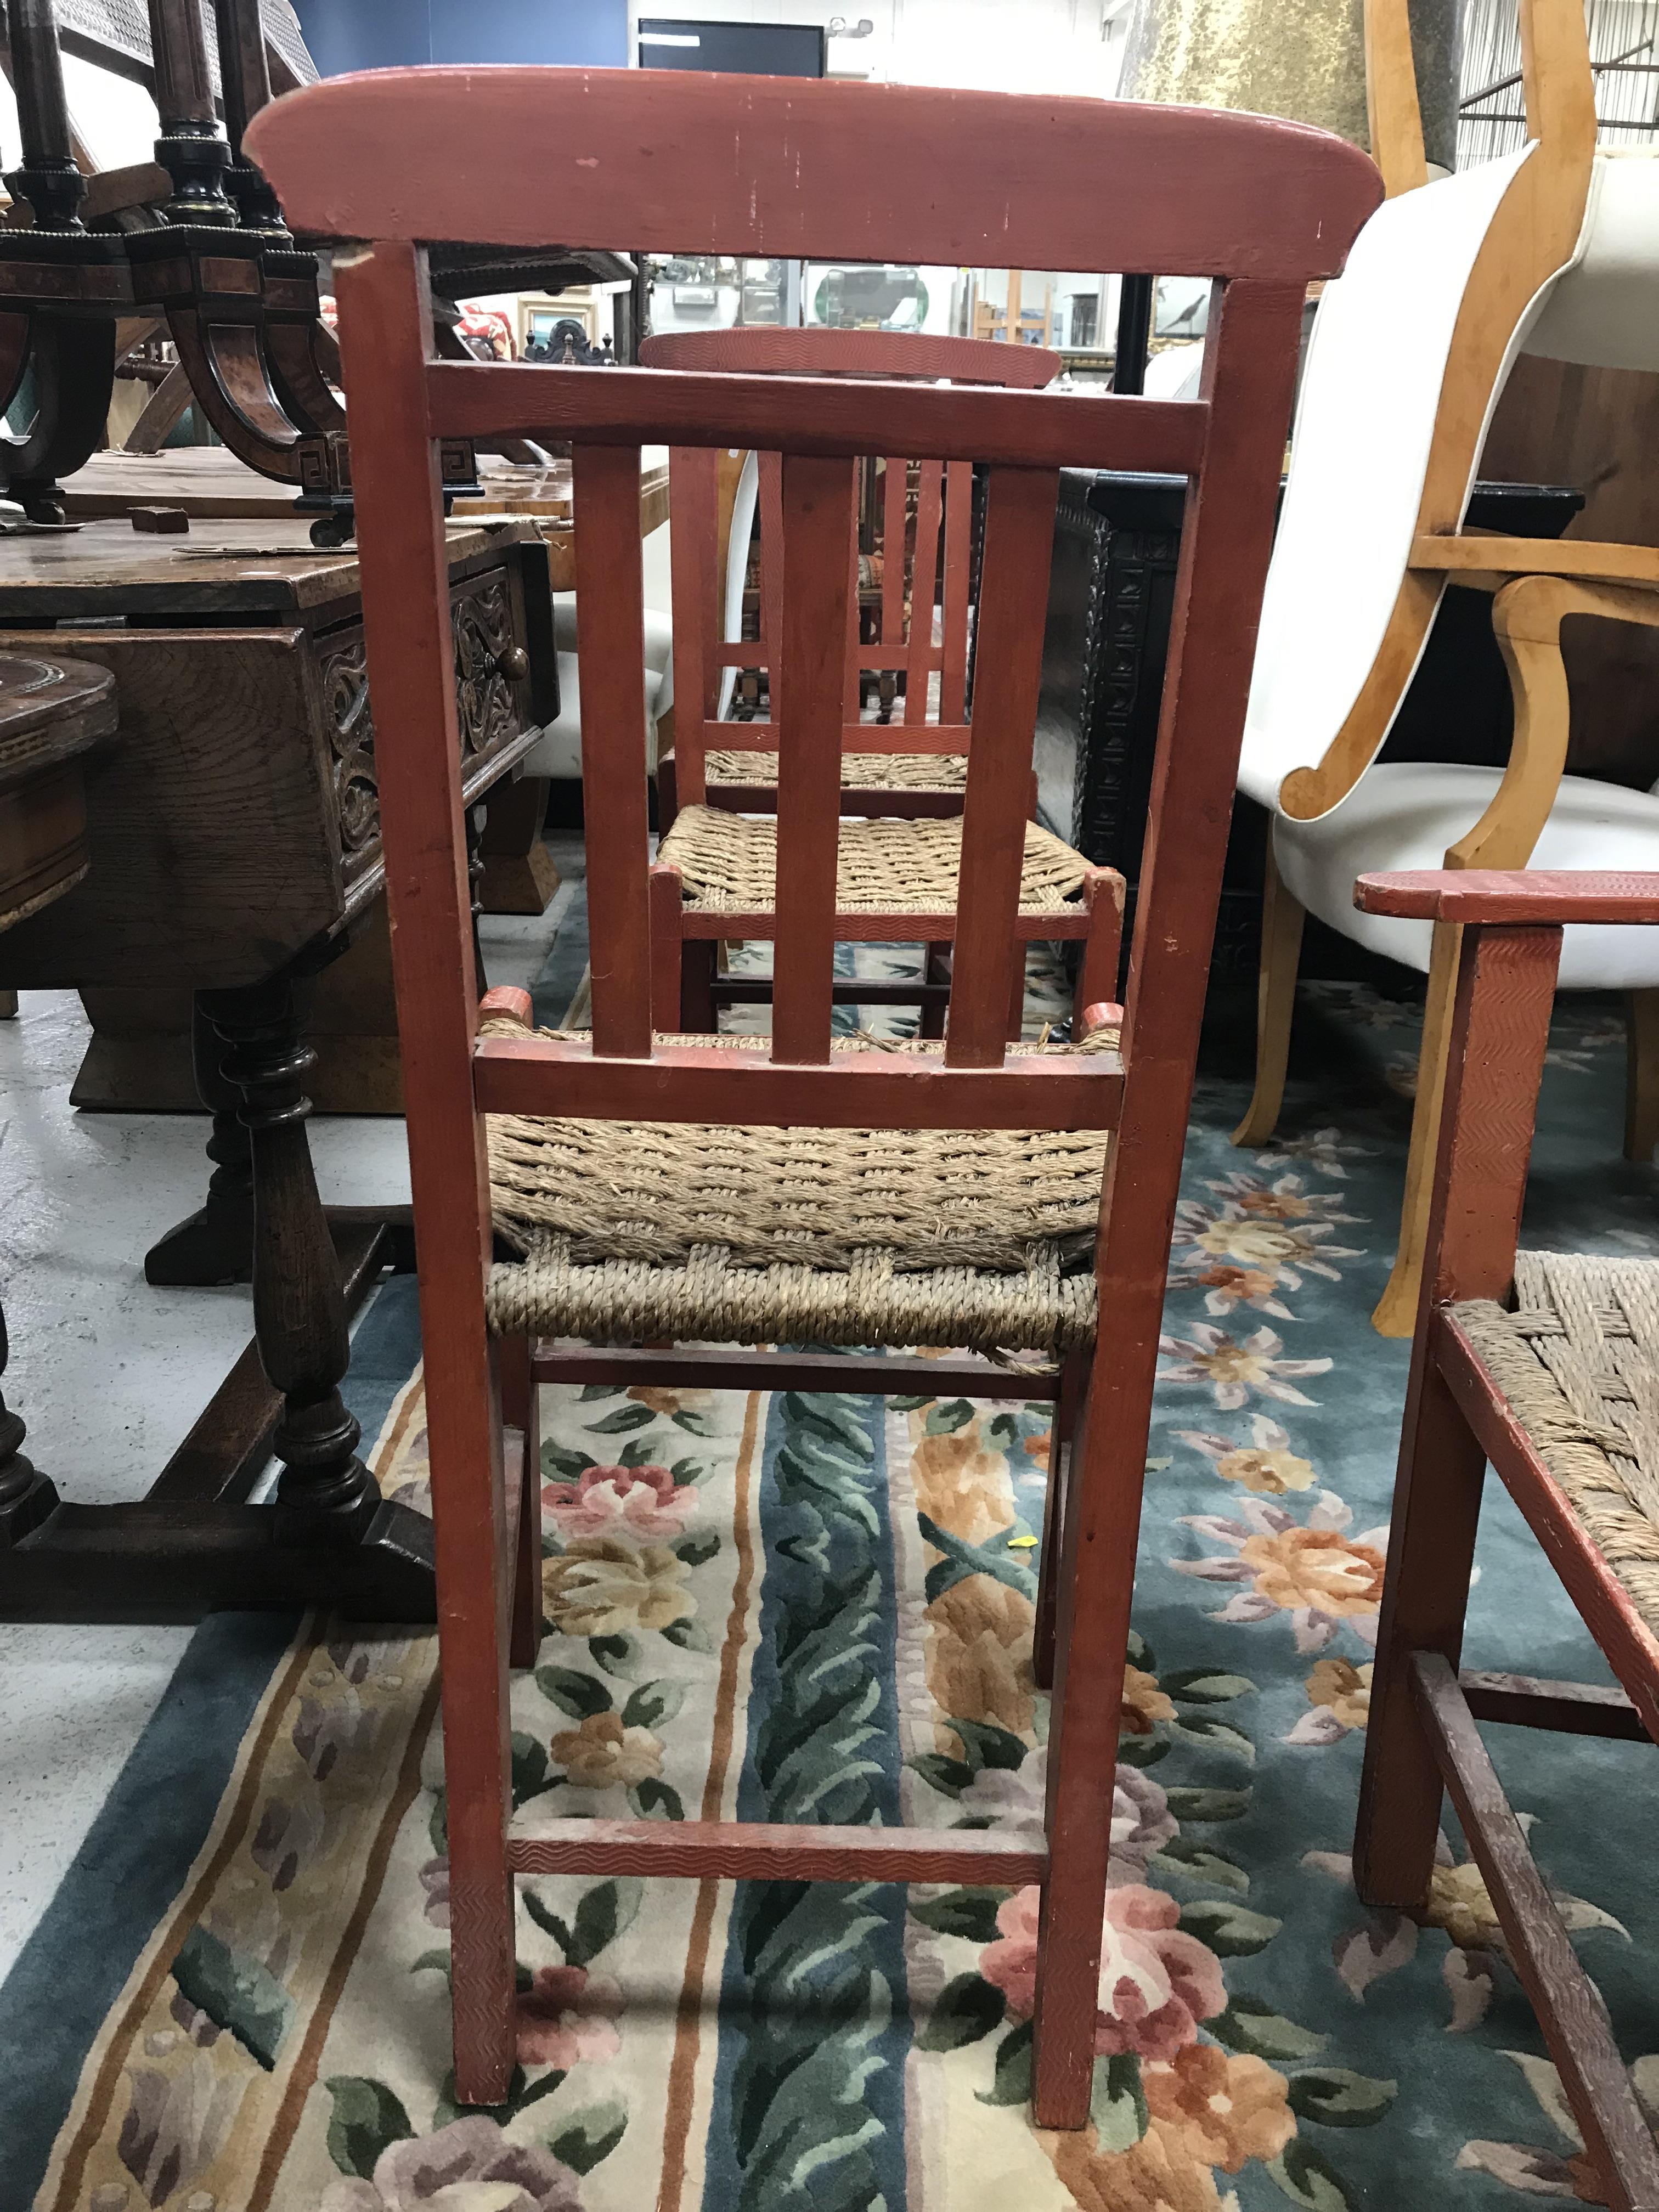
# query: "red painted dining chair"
{"type": "Point", "coordinates": [760, 167]}
{"type": "Point", "coordinates": [912, 770]}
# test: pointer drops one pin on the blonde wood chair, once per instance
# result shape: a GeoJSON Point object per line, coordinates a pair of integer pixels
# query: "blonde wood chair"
{"type": "Point", "coordinates": [755, 166]}
{"type": "Point", "coordinates": [1552, 250]}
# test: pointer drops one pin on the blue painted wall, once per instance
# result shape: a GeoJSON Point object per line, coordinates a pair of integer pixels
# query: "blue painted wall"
{"type": "Point", "coordinates": [356, 34]}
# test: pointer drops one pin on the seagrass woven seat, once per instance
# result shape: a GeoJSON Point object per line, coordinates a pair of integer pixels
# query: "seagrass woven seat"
{"type": "Point", "coordinates": [982, 1239]}
{"type": "Point", "coordinates": [728, 863]}
{"type": "Point", "coordinates": [931, 772]}
{"type": "Point", "coordinates": [1577, 1362]}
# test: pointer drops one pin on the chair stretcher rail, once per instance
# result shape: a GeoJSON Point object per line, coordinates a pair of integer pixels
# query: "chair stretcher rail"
{"type": "Point", "coordinates": [755, 1851]}
{"type": "Point", "coordinates": [829, 416]}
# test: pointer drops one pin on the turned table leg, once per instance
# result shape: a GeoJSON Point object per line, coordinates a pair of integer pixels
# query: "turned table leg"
{"type": "Point", "coordinates": [215, 1244]}
{"type": "Point", "coordinates": [27, 1498]}
{"type": "Point", "coordinates": [299, 1307]}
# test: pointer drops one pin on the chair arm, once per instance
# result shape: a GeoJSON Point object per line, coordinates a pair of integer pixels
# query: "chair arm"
{"type": "Point", "coordinates": [1527, 617]}
{"type": "Point", "coordinates": [1488, 562]}
{"type": "Point", "coordinates": [1545, 896]}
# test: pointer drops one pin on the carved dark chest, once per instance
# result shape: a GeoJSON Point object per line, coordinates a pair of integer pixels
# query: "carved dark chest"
{"type": "Point", "coordinates": [235, 820]}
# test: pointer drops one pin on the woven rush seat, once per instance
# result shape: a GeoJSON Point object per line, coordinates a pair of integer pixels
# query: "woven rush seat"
{"type": "Point", "coordinates": [1578, 1364]}
{"type": "Point", "coordinates": [635, 1231]}
{"type": "Point", "coordinates": [729, 863]}
{"type": "Point", "coordinates": [858, 771]}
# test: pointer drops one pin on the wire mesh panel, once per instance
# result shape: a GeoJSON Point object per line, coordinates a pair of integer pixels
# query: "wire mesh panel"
{"type": "Point", "coordinates": [116, 32]}
{"type": "Point", "coordinates": [1624, 45]}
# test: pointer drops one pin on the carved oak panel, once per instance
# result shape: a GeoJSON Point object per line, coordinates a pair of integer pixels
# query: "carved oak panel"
{"type": "Point", "coordinates": [491, 664]}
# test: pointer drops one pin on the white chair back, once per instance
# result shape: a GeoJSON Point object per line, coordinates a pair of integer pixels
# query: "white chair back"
{"type": "Point", "coordinates": [737, 573]}
{"type": "Point", "coordinates": [1604, 311]}
{"type": "Point", "coordinates": [1364, 429]}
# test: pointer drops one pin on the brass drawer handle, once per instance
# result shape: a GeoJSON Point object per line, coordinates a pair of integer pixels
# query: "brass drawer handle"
{"type": "Point", "coordinates": [513, 662]}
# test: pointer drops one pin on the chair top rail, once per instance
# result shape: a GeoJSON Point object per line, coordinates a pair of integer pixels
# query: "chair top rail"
{"type": "Point", "coordinates": [1548, 897]}
{"type": "Point", "coordinates": [832, 416]}
{"type": "Point", "coordinates": [784, 352]}
{"type": "Point", "coordinates": [681, 161]}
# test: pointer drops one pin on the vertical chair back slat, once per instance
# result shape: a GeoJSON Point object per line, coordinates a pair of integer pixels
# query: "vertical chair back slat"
{"type": "Point", "coordinates": [808, 689]}
{"type": "Point", "coordinates": [894, 500]}
{"type": "Point", "coordinates": [958, 559]}
{"type": "Point", "coordinates": [609, 621]}
{"type": "Point", "coordinates": [693, 499]}
{"type": "Point", "coordinates": [853, 693]}
{"type": "Point", "coordinates": [1019, 526]}
{"type": "Point", "coordinates": [924, 579]}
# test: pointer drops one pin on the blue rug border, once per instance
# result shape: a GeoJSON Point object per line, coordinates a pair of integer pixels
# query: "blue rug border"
{"type": "Point", "coordinates": [140, 1848]}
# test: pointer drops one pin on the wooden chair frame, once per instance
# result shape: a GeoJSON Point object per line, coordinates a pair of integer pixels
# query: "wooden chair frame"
{"type": "Point", "coordinates": [1261, 208]}
{"type": "Point", "coordinates": [1535, 230]}
{"type": "Point", "coordinates": [703, 484]}
{"type": "Point", "coordinates": [944, 492]}
{"type": "Point", "coordinates": [1421, 1737]}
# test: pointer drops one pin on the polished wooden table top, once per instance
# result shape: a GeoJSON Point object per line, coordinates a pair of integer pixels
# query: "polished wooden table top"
{"type": "Point", "coordinates": [213, 487]}
{"type": "Point", "coordinates": [259, 566]}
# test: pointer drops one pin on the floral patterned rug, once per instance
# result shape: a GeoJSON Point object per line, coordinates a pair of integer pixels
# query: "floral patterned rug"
{"type": "Point", "coordinates": [818, 1608]}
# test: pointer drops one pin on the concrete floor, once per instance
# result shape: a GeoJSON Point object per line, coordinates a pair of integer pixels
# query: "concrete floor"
{"type": "Point", "coordinates": [109, 1375]}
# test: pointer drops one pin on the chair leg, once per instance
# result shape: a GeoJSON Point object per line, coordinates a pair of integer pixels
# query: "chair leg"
{"type": "Point", "coordinates": [468, 1529]}
{"type": "Point", "coordinates": [520, 1410]}
{"type": "Point", "coordinates": [668, 800]}
{"type": "Point", "coordinates": [1282, 917]}
{"type": "Point", "coordinates": [1095, 1582]}
{"type": "Point", "coordinates": [1102, 948]}
{"type": "Point", "coordinates": [1641, 1075]}
{"type": "Point", "coordinates": [1016, 993]}
{"type": "Point", "coordinates": [665, 895]}
{"type": "Point", "coordinates": [1437, 1508]}
{"type": "Point", "coordinates": [699, 958]}
{"type": "Point", "coordinates": [1074, 1383]}
{"type": "Point", "coordinates": [931, 1024]}
{"type": "Point", "coordinates": [1396, 1310]}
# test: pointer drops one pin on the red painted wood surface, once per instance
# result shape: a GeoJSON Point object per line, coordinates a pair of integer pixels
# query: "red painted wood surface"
{"type": "Point", "coordinates": [386, 322]}
{"type": "Point", "coordinates": [1019, 534]}
{"type": "Point", "coordinates": [818, 548]}
{"type": "Point", "coordinates": [1248, 370]}
{"type": "Point", "coordinates": [823, 415]}
{"type": "Point", "coordinates": [676, 162]}
{"type": "Point", "coordinates": [903, 927]}
{"type": "Point", "coordinates": [706, 1366]}
{"type": "Point", "coordinates": [776, 166]}
{"type": "Point", "coordinates": [1563, 1708]}
{"type": "Point", "coordinates": [735, 1851]}
{"type": "Point", "coordinates": [855, 353]}
{"type": "Point", "coordinates": [1500, 1026]}
{"type": "Point", "coordinates": [609, 623]}
{"type": "Point", "coordinates": [859, 1091]}
{"type": "Point", "coordinates": [697, 582]}
{"type": "Point", "coordinates": [1516, 895]}
{"type": "Point", "coordinates": [1568, 2003]}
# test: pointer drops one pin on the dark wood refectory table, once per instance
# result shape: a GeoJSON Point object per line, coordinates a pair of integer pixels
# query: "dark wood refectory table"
{"type": "Point", "coordinates": [233, 835]}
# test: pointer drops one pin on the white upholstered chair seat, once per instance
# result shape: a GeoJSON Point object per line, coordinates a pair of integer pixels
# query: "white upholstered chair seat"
{"type": "Point", "coordinates": [558, 751]}
{"type": "Point", "coordinates": [1404, 814]}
